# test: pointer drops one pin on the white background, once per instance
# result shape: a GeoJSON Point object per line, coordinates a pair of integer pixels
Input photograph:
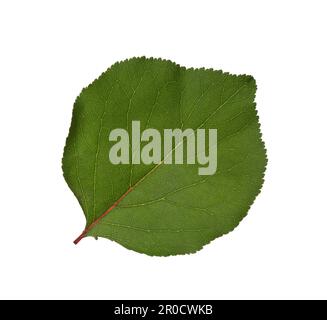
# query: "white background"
{"type": "Point", "coordinates": [49, 50]}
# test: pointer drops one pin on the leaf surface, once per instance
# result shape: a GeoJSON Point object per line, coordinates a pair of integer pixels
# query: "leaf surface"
{"type": "Point", "coordinates": [164, 209]}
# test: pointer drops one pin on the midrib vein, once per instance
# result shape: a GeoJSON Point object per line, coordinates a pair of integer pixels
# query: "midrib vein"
{"type": "Point", "coordinates": [181, 142]}
{"type": "Point", "coordinates": [96, 221]}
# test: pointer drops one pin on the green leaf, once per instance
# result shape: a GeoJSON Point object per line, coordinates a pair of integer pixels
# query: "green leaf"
{"type": "Point", "coordinates": [164, 209]}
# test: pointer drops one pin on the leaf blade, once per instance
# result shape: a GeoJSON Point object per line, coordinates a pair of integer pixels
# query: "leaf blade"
{"type": "Point", "coordinates": [163, 95]}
